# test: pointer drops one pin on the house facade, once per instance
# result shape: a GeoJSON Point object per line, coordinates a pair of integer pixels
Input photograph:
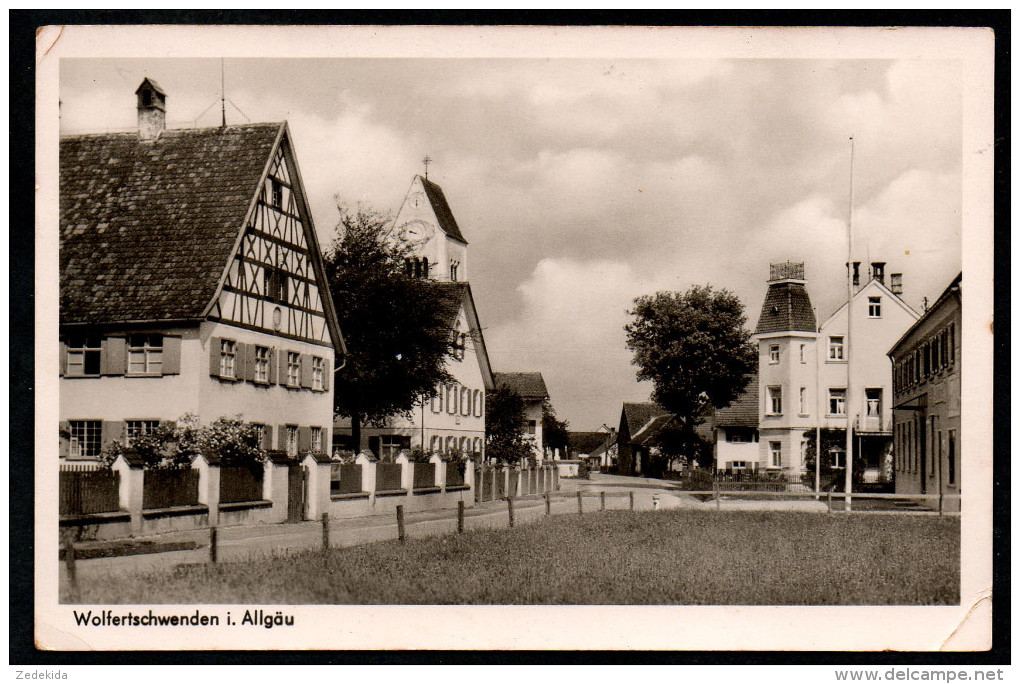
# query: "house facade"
{"type": "Point", "coordinates": [454, 420]}
{"type": "Point", "coordinates": [191, 281]}
{"type": "Point", "coordinates": [926, 399]}
{"type": "Point", "coordinates": [531, 388]}
{"type": "Point", "coordinates": [639, 423]}
{"type": "Point", "coordinates": [735, 430]}
{"type": "Point", "coordinates": [803, 370]}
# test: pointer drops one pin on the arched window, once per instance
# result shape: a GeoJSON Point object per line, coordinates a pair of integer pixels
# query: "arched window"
{"type": "Point", "coordinates": [478, 403]}
{"type": "Point", "coordinates": [465, 401]}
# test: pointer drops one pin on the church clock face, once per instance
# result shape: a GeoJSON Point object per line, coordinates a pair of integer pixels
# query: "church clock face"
{"type": "Point", "coordinates": [416, 232]}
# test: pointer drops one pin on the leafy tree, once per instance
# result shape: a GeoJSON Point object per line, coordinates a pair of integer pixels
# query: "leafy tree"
{"type": "Point", "coordinates": [694, 348]}
{"type": "Point", "coordinates": [505, 424]}
{"type": "Point", "coordinates": [554, 431]}
{"type": "Point", "coordinates": [396, 325]}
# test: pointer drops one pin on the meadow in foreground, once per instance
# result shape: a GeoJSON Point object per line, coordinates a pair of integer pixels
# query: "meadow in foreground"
{"type": "Point", "coordinates": [677, 557]}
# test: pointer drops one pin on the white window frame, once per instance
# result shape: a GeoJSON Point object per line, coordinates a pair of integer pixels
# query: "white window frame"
{"type": "Point", "coordinates": [262, 357]}
{"type": "Point", "coordinates": [228, 358]}
{"type": "Point", "coordinates": [803, 355]}
{"type": "Point", "coordinates": [530, 428]}
{"type": "Point", "coordinates": [316, 438]}
{"type": "Point", "coordinates": [803, 401]}
{"type": "Point", "coordinates": [137, 428]}
{"type": "Point", "coordinates": [292, 440]}
{"type": "Point", "coordinates": [775, 401]}
{"type": "Point", "coordinates": [837, 456]}
{"type": "Point", "coordinates": [148, 354]}
{"type": "Point", "coordinates": [773, 354]}
{"type": "Point", "coordinates": [737, 436]}
{"type": "Point", "coordinates": [318, 373]}
{"type": "Point", "coordinates": [874, 307]}
{"type": "Point", "coordinates": [837, 400]}
{"type": "Point", "coordinates": [86, 439]}
{"type": "Point", "coordinates": [870, 402]}
{"type": "Point", "coordinates": [293, 369]}
{"type": "Point", "coordinates": [837, 350]}
{"type": "Point", "coordinates": [775, 454]}
{"type": "Point", "coordinates": [90, 347]}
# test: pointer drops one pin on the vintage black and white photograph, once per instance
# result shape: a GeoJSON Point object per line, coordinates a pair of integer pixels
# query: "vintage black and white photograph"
{"type": "Point", "coordinates": [399, 328]}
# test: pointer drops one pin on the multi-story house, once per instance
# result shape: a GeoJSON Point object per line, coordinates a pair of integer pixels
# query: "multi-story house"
{"type": "Point", "coordinates": [926, 399]}
{"type": "Point", "coordinates": [803, 369]}
{"type": "Point", "coordinates": [531, 388]}
{"type": "Point", "coordinates": [454, 420]}
{"type": "Point", "coordinates": [191, 281]}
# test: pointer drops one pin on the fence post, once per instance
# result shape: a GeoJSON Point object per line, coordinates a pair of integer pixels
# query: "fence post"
{"type": "Point", "coordinates": [510, 508]}
{"type": "Point", "coordinates": [548, 504]}
{"type": "Point", "coordinates": [72, 572]}
{"type": "Point", "coordinates": [580, 505]}
{"type": "Point", "coordinates": [212, 544]}
{"type": "Point", "coordinates": [940, 503]}
{"type": "Point", "coordinates": [460, 516]}
{"type": "Point", "coordinates": [631, 492]}
{"type": "Point", "coordinates": [829, 500]}
{"type": "Point", "coordinates": [325, 531]}
{"type": "Point", "coordinates": [602, 500]}
{"type": "Point", "coordinates": [718, 500]}
{"type": "Point", "coordinates": [400, 522]}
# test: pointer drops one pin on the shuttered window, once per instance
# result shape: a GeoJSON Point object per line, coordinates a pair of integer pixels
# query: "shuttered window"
{"type": "Point", "coordinates": [145, 355]}
{"type": "Point", "coordinates": [84, 353]}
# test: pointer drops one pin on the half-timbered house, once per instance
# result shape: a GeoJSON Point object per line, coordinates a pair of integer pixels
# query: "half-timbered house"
{"type": "Point", "coordinates": [191, 281]}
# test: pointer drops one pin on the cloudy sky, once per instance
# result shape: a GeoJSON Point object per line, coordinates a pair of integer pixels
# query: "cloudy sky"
{"type": "Point", "coordinates": [583, 183]}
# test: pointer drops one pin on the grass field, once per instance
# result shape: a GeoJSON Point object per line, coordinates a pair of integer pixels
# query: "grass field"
{"type": "Point", "coordinates": [619, 557]}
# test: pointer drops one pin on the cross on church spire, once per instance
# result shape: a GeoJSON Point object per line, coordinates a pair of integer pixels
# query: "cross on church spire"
{"type": "Point", "coordinates": [426, 161]}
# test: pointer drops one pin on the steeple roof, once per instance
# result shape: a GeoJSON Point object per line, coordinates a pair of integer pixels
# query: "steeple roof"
{"type": "Point", "coordinates": [787, 307]}
{"type": "Point", "coordinates": [442, 210]}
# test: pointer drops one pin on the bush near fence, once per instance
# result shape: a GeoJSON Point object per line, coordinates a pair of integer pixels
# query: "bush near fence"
{"type": "Point", "coordinates": [83, 492]}
{"type": "Point", "coordinates": [345, 478]}
{"type": "Point", "coordinates": [239, 484]}
{"type": "Point", "coordinates": [170, 488]}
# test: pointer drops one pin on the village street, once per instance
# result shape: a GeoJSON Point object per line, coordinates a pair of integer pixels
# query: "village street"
{"type": "Point", "coordinates": [239, 543]}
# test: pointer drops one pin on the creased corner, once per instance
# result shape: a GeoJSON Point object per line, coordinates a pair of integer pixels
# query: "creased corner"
{"type": "Point", "coordinates": [45, 38]}
{"type": "Point", "coordinates": [51, 638]}
{"type": "Point", "coordinates": [981, 598]}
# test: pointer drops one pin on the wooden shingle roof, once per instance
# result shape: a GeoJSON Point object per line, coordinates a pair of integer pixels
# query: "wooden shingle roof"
{"type": "Point", "coordinates": [526, 385]}
{"type": "Point", "coordinates": [743, 411]}
{"type": "Point", "coordinates": [787, 307]}
{"type": "Point", "coordinates": [147, 228]}
{"type": "Point", "coordinates": [442, 210]}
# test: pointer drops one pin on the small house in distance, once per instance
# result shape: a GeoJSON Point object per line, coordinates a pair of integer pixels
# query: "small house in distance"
{"type": "Point", "coordinates": [736, 431]}
{"type": "Point", "coordinates": [530, 387]}
{"type": "Point", "coordinates": [191, 281]}
{"type": "Point", "coordinates": [926, 399]}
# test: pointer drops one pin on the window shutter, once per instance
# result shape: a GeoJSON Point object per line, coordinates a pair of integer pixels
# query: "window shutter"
{"type": "Point", "coordinates": [113, 430]}
{"type": "Point", "coordinates": [304, 439]}
{"type": "Point", "coordinates": [63, 357]}
{"type": "Point", "coordinates": [326, 373]}
{"type": "Point", "coordinates": [171, 355]}
{"type": "Point", "coordinates": [281, 437]}
{"type": "Point", "coordinates": [113, 356]}
{"type": "Point", "coordinates": [267, 438]}
{"type": "Point", "coordinates": [65, 441]}
{"type": "Point", "coordinates": [249, 361]}
{"type": "Point", "coordinates": [306, 371]}
{"type": "Point", "coordinates": [273, 366]}
{"type": "Point", "coordinates": [214, 356]}
{"type": "Point", "coordinates": [373, 445]}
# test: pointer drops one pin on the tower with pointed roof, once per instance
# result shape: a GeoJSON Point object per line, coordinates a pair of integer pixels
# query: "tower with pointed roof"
{"type": "Point", "coordinates": [426, 222]}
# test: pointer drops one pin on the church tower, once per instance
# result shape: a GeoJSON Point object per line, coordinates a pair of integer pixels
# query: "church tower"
{"type": "Point", "coordinates": [426, 222]}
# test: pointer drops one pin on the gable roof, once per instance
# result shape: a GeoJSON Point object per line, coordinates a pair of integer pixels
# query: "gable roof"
{"type": "Point", "coordinates": [649, 432]}
{"type": "Point", "coordinates": [457, 295]}
{"type": "Point", "coordinates": [442, 210]}
{"type": "Point", "coordinates": [147, 228]}
{"type": "Point", "coordinates": [636, 414]}
{"type": "Point", "coordinates": [787, 307]}
{"type": "Point", "coordinates": [954, 287]}
{"type": "Point", "coordinates": [872, 284]}
{"type": "Point", "coordinates": [742, 411]}
{"type": "Point", "coordinates": [526, 385]}
{"type": "Point", "coordinates": [588, 442]}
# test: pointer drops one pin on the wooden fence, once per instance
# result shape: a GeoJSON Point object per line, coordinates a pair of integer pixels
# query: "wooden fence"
{"type": "Point", "coordinates": [170, 488]}
{"type": "Point", "coordinates": [345, 478]}
{"type": "Point", "coordinates": [454, 478]}
{"type": "Point", "coordinates": [424, 475]}
{"type": "Point", "coordinates": [387, 477]}
{"type": "Point", "coordinates": [239, 484]}
{"type": "Point", "coordinates": [88, 491]}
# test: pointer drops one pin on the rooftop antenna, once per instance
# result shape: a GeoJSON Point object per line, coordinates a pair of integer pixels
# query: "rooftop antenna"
{"type": "Point", "coordinates": [426, 161]}
{"type": "Point", "coordinates": [223, 98]}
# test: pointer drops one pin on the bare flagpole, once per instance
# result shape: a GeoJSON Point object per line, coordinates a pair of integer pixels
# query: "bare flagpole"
{"type": "Point", "coordinates": [223, 97]}
{"type": "Point", "coordinates": [847, 347]}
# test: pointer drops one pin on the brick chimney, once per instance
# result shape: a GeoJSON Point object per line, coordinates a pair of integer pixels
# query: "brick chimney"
{"type": "Point", "coordinates": [151, 110]}
{"type": "Point", "coordinates": [878, 271]}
